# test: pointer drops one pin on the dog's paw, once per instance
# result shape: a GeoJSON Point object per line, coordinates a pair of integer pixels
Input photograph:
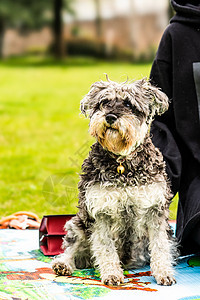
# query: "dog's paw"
{"type": "Point", "coordinates": [62, 268]}
{"type": "Point", "coordinates": [112, 279]}
{"type": "Point", "coordinates": [165, 280]}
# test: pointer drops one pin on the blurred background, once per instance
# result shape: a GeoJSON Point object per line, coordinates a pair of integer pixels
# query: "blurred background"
{"type": "Point", "coordinates": [129, 29]}
{"type": "Point", "coordinates": [51, 51]}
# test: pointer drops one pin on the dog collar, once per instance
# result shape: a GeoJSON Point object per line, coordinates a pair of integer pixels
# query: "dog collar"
{"type": "Point", "coordinates": [121, 159]}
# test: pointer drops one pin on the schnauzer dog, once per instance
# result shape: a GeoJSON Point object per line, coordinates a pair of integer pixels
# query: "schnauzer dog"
{"type": "Point", "coordinates": [124, 194]}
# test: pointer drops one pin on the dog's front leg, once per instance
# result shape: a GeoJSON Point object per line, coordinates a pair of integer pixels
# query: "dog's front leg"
{"type": "Point", "coordinates": [105, 253]}
{"type": "Point", "coordinates": [160, 253]}
{"type": "Point", "coordinates": [64, 264]}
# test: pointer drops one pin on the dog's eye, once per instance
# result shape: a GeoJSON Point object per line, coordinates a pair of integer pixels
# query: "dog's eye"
{"type": "Point", "coordinates": [127, 103]}
{"type": "Point", "coordinates": [103, 103]}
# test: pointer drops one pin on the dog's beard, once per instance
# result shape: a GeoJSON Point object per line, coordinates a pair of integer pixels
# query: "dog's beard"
{"type": "Point", "coordinates": [120, 138]}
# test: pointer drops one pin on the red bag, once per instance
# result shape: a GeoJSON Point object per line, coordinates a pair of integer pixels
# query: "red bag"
{"type": "Point", "coordinates": [51, 233]}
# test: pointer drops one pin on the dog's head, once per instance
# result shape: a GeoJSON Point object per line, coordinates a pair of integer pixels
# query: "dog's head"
{"type": "Point", "coordinates": [121, 113]}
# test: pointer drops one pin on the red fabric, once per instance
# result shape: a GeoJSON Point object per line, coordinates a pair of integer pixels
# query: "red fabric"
{"type": "Point", "coordinates": [51, 233]}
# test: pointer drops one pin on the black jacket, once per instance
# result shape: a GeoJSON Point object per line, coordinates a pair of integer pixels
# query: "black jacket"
{"type": "Point", "coordinates": [176, 70]}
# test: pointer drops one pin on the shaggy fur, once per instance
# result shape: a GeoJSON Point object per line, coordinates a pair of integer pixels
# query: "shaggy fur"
{"type": "Point", "coordinates": [122, 220]}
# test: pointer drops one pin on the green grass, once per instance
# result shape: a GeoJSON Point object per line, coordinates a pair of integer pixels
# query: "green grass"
{"type": "Point", "coordinates": [43, 138]}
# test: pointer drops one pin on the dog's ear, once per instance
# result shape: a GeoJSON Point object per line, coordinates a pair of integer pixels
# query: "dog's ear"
{"type": "Point", "coordinates": [84, 107]}
{"type": "Point", "coordinates": [91, 100]}
{"type": "Point", "coordinates": [159, 102]}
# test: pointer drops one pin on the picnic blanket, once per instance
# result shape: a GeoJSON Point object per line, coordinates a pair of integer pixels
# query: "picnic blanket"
{"type": "Point", "coordinates": [25, 273]}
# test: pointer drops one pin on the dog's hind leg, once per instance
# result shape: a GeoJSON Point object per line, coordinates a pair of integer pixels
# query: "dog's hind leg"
{"type": "Point", "coordinates": [161, 253]}
{"type": "Point", "coordinates": [105, 253]}
{"type": "Point", "coordinates": [74, 244]}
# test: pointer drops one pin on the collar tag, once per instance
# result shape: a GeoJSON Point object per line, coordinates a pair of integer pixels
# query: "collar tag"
{"type": "Point", "coordinates": [120, 169]}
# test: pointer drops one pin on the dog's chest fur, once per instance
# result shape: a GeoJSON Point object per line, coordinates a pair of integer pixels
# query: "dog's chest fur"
{"type": "Point", "coordinates": [128, 200]}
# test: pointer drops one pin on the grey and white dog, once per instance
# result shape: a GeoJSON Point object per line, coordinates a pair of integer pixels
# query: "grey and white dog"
{"type": "Point", "coordinates": [124, 193]}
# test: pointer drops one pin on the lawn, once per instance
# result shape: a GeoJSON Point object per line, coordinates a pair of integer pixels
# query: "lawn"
{"type": "Point", "coordinates": [43, 138]}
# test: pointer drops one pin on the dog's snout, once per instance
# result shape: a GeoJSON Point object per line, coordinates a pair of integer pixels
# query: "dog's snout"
{"type": "Point", "coordinates": [110, 118]}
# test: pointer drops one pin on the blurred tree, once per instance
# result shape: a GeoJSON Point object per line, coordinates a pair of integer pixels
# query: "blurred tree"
{"type": "Point", "coordinates": [23, 15]}
{"type": "Point", "coordinates": [59, 49]}
{"type": "Point", "coordinates": [98, 20]}
{"type": "Point", "coordinates": [30, 14]}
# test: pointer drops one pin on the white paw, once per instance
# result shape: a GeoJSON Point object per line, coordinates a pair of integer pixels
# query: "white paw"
{"type": "Point", "coordinates": [61, 268]}
{"type": "Point", "coordinates": [165, 280]}
{"type": "Point", "coordinates": [112, 279]}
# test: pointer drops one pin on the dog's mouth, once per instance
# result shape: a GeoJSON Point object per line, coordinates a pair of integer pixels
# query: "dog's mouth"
{"type": "Point", "coordinates": [110, 128]}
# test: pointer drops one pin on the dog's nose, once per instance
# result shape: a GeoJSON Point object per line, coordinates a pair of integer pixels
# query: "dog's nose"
{"type": "Point", "coordinates": [110, 118]}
